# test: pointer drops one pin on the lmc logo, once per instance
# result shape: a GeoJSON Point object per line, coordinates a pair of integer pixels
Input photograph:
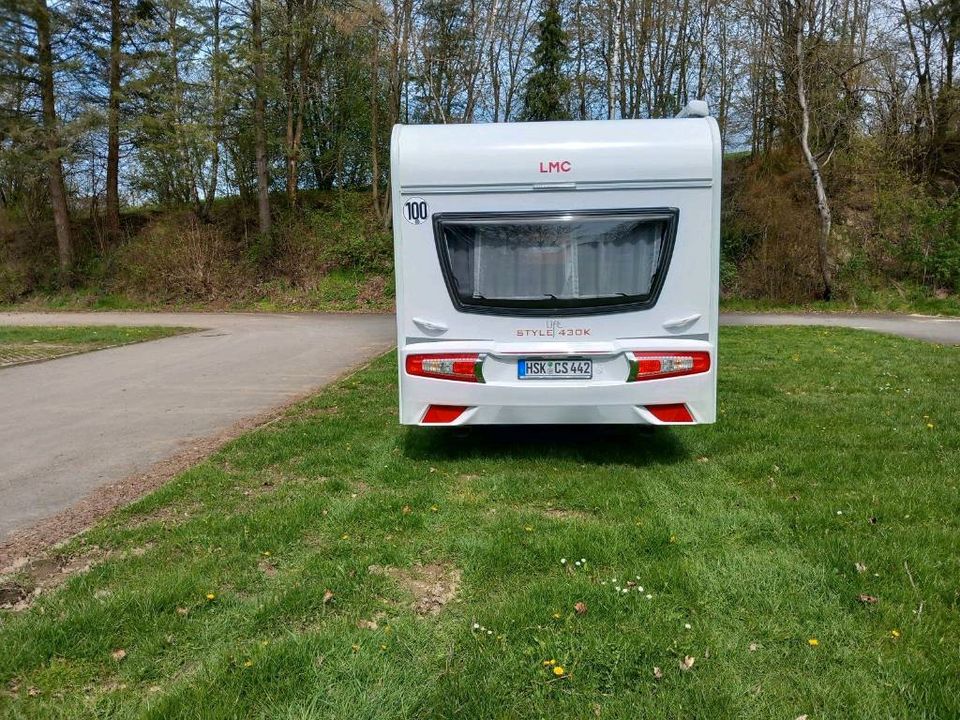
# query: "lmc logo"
{"type": "Point", "coordinates": [555, 166]}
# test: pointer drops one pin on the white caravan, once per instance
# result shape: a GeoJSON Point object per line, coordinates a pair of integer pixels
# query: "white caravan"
{"type": "Point", "coordinates": [558, 272]}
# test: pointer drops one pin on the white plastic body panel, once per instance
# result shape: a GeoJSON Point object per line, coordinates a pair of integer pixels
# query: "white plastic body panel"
{"type": "Point", "coordinates": [597, 165]}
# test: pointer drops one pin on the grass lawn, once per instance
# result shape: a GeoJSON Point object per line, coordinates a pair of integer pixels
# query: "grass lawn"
{"type": "Point", "coordinates": [334, 565]}
{"type": "Point", "coordinates": [31, 343]}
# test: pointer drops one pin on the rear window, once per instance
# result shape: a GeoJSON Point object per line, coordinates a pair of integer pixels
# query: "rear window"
{"type": "Point", "coordinates": [557, 263]}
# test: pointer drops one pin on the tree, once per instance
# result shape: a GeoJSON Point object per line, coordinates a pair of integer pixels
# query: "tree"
{"type": "Point", "coordinates": [548, 86]}
{"type": "Point", "coordinates": [51, 131]}
{"type": "Point", "coordinates": [259, 119]}
{"type": "Point", "coordinates": [113, 124]}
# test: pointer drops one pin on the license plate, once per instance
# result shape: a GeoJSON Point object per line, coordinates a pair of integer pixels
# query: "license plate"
{"type": "Point", "coordinates": [553, 369]}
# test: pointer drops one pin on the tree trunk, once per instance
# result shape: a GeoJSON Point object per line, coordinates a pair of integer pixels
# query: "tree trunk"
{"type": "Point", "coordinates": [823, 206]}
{"type": "Point", "coordinates": [215, 80]}
{"type": "Point", "coordinates": [58, 190]}
{"type": "Point", "coordinates": [291, 119]}
{"type": "Point", "coordinates": [113, 126]}
{"type": "Point", "coordinates": [375, 118]}
{"type": "Point", "coordinates": [259, 111]}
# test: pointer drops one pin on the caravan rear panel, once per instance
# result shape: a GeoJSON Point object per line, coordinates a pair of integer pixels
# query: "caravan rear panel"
{"type": "Point", "coordinates": [557, 272]}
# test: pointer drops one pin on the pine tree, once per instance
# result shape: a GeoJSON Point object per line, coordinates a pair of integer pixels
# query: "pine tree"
{"type": "Point", "coordinates": [548, 85]}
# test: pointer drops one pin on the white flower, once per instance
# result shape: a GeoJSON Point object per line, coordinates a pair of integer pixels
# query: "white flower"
{"type": "Point", "coordinates": [649, 596]}
{"type": "Point", "coordinates": [839, 512]}
{"type": "Point", "coordinates": [583, 560]}
{"type": "Point", "coordinates": [687, 625]}
{"type": "Point", "coordinates": [639, 588]}
{"type": "Point", "coordinates": [563, 561]}
{"type": "Point", "coordinates": [625, 590]}
{"type": "Point", "coordinates": [489, 632]}
{"type": "Point", "coordinates": [476, 626]}
{"type": "Point", "coordinates": [577, 563]}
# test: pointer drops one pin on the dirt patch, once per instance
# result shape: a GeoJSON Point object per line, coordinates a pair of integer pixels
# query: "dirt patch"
{"type": "Point", "coordinates": [432, 586]}
{"type": "Point", "coordinates": [166, 515]}
{"type": "Point", "coordinates": [564, 514]}
{"type": "Point", "coordinates": [28, 579]}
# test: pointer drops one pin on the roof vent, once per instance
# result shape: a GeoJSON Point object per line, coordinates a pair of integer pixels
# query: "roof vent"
{"type": "Point", "coordinates": [695, 109]}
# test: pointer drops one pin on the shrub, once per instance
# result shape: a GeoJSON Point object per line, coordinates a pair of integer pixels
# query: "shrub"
{"type": "Point", "coordinates": [179, 258]}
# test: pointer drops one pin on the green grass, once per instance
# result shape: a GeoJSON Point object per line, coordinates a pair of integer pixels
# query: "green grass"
{"type": "Point", "coordinates": [19, 344]}
{"type": "Point", "coordinates": [833, 448]}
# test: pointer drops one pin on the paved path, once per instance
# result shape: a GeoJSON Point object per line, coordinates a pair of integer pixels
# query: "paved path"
{"type": "Point", "coordinates": [945, 331]}
{"type": "Point", "coordinates": [70, 425]}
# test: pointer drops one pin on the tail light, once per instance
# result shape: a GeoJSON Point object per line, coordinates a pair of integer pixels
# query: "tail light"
{"type": "Point", "coordinates": [467, 367]}
{"type": "Point", "coordinates": [655, 365]}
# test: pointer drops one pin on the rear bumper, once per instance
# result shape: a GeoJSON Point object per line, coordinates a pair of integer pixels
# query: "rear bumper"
{"type": "Point", "coordinates": [607, 399]}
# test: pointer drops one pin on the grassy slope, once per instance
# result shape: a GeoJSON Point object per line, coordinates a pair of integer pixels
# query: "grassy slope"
{"type": "Point", "coordinates": [29, 343]}
{"type": "Point", "coordinates": [748, 531]}
{"type": "Point", "coordinates": [867, 301]}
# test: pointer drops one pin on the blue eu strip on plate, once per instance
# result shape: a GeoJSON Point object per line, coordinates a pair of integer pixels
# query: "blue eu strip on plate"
{"type": "Point", "coordinates": [521, 368]}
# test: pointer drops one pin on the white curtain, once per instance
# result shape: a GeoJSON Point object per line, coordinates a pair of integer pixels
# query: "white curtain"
{"type": "Point", "coordinates": [578, 259]}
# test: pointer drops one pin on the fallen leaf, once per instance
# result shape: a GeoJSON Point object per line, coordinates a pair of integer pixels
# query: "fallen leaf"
{"type": "Point", "coordinates": [801, 717]}
{"type": "Point", "coordinates": [33, 692]}
{"type": "Point", "coordinates": [861, 568]}
{"type": "Point", "coordinates": [154, 688]}
{"type": "Point", "coordinates": [327, 596]}
{"type": "Point", "coordinates": [753, 647]}
{"type": "Point", "coordinates": [118, 654]}
{"type": "Point", "coordinates": [873, 520]}
{"type": "Point", "coordinates": [182, 611]}
{"type": "Point", "coordinates": [367, 624]}
{"type": "Point", "coordinates": [867, 599]}
{"type": "Point", "coordinates": [407, 510]}
{"type": "Point", "coordinates": [687, 662]}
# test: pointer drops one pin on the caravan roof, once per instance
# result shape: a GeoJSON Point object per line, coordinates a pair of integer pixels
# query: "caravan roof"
{"type": "Point", "coordinates": [551, 155]}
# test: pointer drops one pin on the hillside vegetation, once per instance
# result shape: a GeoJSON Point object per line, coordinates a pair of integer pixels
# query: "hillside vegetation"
{"type": "Point", "coordinates": [331, 254]}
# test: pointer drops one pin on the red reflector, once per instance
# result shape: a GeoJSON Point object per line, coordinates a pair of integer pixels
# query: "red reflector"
{"type": "Point", "coordinates": [656, 365]}
{"type": "Point", "coordinates": [443, 413]}
{"type": "Point", "coordinates": [446, 366]}
{"type": "Point", "coordinates": [673, 413]}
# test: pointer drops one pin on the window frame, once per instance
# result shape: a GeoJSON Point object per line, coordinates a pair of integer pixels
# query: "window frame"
{"type": "Point", "coordinates": [548, 306]}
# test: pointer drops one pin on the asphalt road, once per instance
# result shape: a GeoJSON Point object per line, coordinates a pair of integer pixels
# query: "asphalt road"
{"type": "Point", "coordinates": [70, 425]}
